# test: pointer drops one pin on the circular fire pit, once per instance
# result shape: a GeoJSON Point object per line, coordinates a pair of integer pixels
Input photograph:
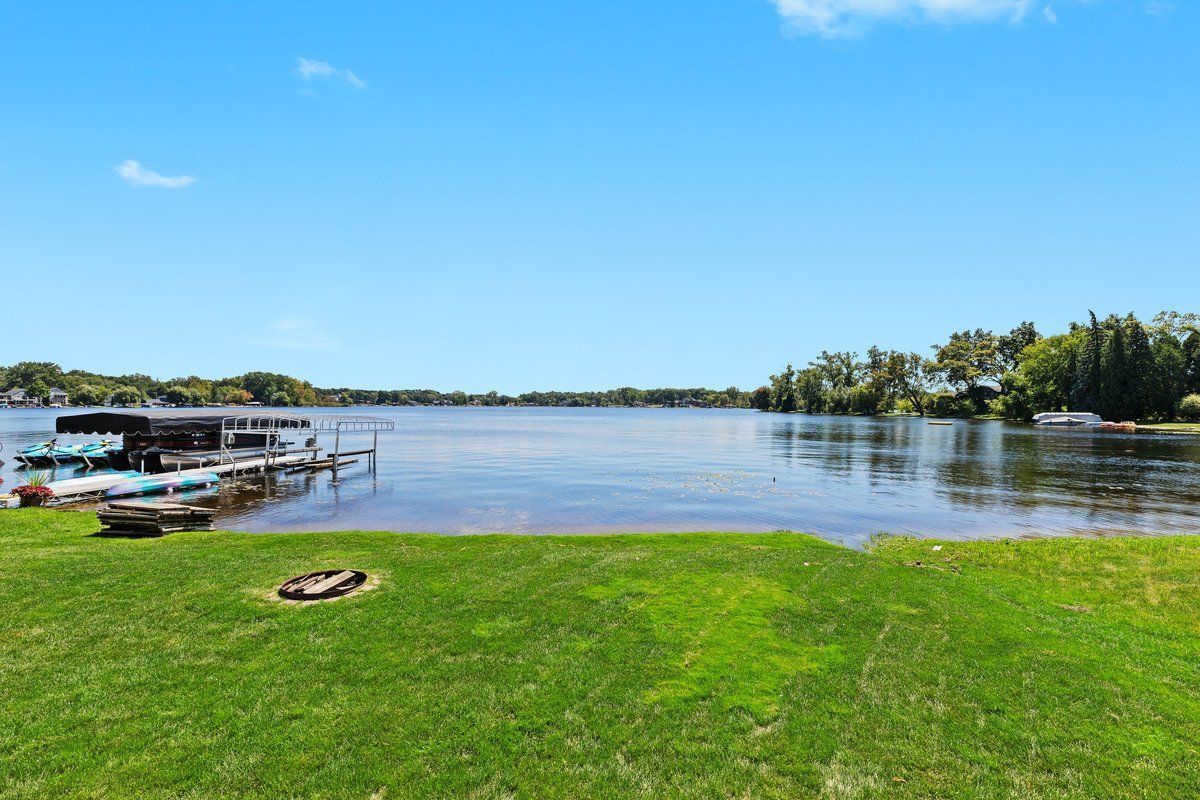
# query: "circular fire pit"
{"type": "Point", "coordinates": [323, 584]}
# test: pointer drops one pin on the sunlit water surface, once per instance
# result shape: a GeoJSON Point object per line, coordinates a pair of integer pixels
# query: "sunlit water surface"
{"type": "Point", "coordinates": [532, 470]}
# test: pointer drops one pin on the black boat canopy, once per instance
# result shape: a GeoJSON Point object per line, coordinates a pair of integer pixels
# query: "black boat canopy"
{"type": "Point", "coordinates": [154, 422]}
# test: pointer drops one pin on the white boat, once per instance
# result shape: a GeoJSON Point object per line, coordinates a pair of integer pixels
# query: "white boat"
{"type": "Point", "coordinates": [1066, 419]}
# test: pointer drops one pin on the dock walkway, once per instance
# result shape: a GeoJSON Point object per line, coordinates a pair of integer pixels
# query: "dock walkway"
{"type": "Point", "coordinates": [75, 490]}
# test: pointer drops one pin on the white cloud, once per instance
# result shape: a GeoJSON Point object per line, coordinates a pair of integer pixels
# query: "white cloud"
{"type": "Point", "coordinates": [847, 17]}
{"type": "Point", "coordinates": [1050, 16]}
{"type": "Point", "coordinates": [297, 334]}
{"type": "Point", "coordinates": [310, 69]}
{"type": "Point", "coordinates": [133, 173]}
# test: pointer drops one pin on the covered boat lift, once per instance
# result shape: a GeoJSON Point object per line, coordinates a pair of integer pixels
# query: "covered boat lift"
{"type": "Point", "coordinates": [219, 439]}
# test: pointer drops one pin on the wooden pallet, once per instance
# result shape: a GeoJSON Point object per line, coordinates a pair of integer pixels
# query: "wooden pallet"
{"type": "Point", "coordinates": [153, 519]}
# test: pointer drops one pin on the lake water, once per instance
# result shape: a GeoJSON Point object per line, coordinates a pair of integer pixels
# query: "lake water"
{"type": "Point", "coordinates": [536, 470]}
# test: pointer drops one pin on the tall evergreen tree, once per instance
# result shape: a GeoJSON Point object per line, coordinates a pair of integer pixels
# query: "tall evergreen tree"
{"type": "Point", "coordinates": [1139, 369]}
{"type": "Point", "coordinates": [1086, 385]}
{"type": "Point", "coordinates": [1114, 394]}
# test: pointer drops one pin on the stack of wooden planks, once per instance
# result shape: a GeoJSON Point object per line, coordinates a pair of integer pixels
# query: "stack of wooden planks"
{"type": "Point", "coordinates": [154, 519]}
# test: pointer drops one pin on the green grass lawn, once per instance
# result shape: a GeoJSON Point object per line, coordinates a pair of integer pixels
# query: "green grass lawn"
{"type": "Point", "coordinates": [1171, 427]}
{"type": "Point", "coordinates": [690, 665]}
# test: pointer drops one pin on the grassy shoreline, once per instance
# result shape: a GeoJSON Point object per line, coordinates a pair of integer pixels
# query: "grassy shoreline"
{"type": "Point", "coordinates": [681, 665]}
{"type": "Point", "coordinates": [1171, 427]}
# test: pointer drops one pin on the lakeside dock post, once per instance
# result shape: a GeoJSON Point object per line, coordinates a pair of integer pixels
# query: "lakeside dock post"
{"type": "Point", "coordinates": [337, 443]}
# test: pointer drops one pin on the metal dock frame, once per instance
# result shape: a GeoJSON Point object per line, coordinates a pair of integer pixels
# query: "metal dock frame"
{"type": "Point", "coordinates": [272, 425]}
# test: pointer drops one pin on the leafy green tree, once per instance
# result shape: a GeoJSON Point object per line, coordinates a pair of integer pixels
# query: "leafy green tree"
{"type": "Point", "coordinates": [201, 390]}
{"type": "Point", "coordinates": [28, 373]}
{"type": "Point", "coordinates": [1010, 347]}
{"type": "Point", "coordinates": [944, 404]}
{"type": "Point", "coordinates": [192, 397]}
{"type": "Point", "coordinates": [88, 395]}
{"type": "Point", "coordinates": [908, 375]}
{"type": "Point", "coordinates": [783, 391]}
{"type": "Point", "coordinates": [968, 358]}
{"type": "Point", "coordinates": [234, 396]}
{"type": "Point", "coordinates": [39, 389]}
{"type": "Point", "coordinates": [1189, 407]}
{"type": "Point", "coordinates": [875, 378]}
{"type": "Point", "coordinates": [143, 383]}
{"type": "Point", "coordinates": [810, 391]}
{"type": "Point", "coordinates": [840, 370]}
{"type": "Point", "coordinates": [177, 394]}
{"type": "Point", "coordinates": [1169, 375]}
{"type": "Point", "coordinates": [1191, 359]}
{"type": "Point", "coordinates": [629, 396]}
{"type": "Point", "coordinates": [1015, 402]}
{"type": "Point", "coordinates": [128, 396]}
{"type": "Point", "coordinates": [1176, 324]}
{"type": "Point", "coordinates": [1048, 368]}
{"type": "Point", "coordinates": [865, 398]}
{"type": "Point", "coordinates": [760, 398]}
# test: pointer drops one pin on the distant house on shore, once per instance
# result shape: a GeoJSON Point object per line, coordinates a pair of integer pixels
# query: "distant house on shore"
{"type": "Point", "coordinates": [18, 398]}
{"type": "Point", "coordinates": [156, 402]}
{"type": "Point", "coordinates": [58, 397]}
{"type": "Point", "coordinates": [984, 391]}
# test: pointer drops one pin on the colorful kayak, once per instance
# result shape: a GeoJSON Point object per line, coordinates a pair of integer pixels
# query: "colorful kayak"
{"type": "Point", "coordinates": [160, 484]}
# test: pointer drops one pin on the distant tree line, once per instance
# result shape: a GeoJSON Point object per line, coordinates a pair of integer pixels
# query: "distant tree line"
{"type": "Point", "coordinates": [272, 389]}
{"type": "Point", "coordinates": [90, 388]}
{"type": "Point", "coordinates": [626, 396]}
{"type": "Point", "coordinates": [1120, 368]}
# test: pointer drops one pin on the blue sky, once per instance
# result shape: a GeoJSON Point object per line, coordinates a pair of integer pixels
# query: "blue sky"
{"type": "Point", "coordinates": [520, 196]}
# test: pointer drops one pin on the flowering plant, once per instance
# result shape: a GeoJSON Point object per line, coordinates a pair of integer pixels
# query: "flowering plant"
{"type": "Point", "coordinates": [34, 491]}
{"type": "Point", "coordinates": [33, 495]}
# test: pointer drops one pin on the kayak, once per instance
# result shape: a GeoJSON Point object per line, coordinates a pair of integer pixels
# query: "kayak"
{"type": "Point", "coordinates": [91, 484]}
{"type": "Point", "coordinates": [160, 484]}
